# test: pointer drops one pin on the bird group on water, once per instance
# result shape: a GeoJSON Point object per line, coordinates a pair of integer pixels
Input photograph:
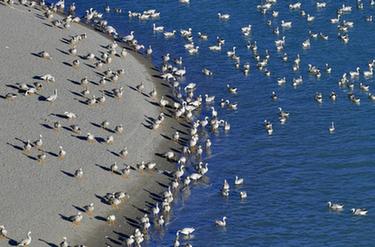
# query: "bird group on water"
{"type": "Point", "coordinates": [185, 104]}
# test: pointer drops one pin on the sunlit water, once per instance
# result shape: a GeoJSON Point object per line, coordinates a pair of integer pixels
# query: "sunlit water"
{"type": "Point", "coordinates": [289, 176]}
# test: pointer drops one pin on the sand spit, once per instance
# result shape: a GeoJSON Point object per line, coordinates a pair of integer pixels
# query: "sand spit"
{"type": "Point", "coordinates": [41, 195]}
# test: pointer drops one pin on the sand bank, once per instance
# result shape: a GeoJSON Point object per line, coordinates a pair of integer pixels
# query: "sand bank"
{"type": "Point", "coordinates": [39, 196]}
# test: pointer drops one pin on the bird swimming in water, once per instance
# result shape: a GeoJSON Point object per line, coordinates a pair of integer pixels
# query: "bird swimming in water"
{"type": "Point", "coordinates": [335, 206]}
{"type": "Point", "coordinates": [222, 222]}
{"type": "Point", "coordinates": [359, 211]}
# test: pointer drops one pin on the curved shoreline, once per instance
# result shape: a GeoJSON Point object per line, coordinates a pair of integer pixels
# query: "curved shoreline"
{"type": "Point", "coordinates": [47, 226]}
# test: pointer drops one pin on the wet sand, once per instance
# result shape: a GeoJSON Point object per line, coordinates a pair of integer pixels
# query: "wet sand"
{"type": "Point", "coordinates": [40, 196]}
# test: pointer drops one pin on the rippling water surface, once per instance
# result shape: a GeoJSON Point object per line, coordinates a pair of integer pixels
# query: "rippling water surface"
{"type": "Point", "coordinates": [289, 176]}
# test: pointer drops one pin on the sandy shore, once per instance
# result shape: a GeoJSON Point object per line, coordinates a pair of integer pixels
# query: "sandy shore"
{"type": "Point", "coordinates": [40, 196]}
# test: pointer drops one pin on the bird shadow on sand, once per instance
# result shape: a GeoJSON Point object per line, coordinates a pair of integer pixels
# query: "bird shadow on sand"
{"type": "Point", "coordinates": [100, 218]}
{"type": "Point", "coordinates": [68, 173]}
{"type": "Point", "coordinates": [79, 208]}
{"type": "Point", "coordinates": [15, 146]}
{"type": "Point", "coordinates": [46, 126]}
{"type": "Point", "coordinates": [154, 196]}
{"type": "Point", "coordinates": [48, 243]}
{"type": "Point", "coordinates": [13, 87]}
{"type": "Point", "coordinates": [35, 54]}
{"type": "Point", "coordinates": [114, 153]}
{"type": "Point", "coordinates": [66, 218]}
{"type": "Point", "coordinates": [96, 125]}
{"type": "Point", "coordinates": [103, 167]}
{"type": "Point", "coordinates": [65, 41]}
{"type": "Point", "coordinates": [132, 222]}
{"type": "Point", "coordinates": [153, 102]}
{"type": "Point", "coordinates": [13, 242]}
{"type": "Point", "coordinates": [108, 93]}
{"type": "Point", "coordinates": [42, 98]}
{"type": "Point", "coordinates": [121, 236]}
{"type": "Point", "coordinates": [102, 199]}
{"type": "Point", "coordinates": [89, 65]}
{"type": "Point", "coordinates": [63, 52]}
{"type": "Point", "coordinates": [74, 82]}
{"type": "Point", "coordinates": [48, 25]}
{"type": "Point", "coordinates": [113, 241]}
{"type": "Point", "coordinates": [67, 64]}
{"type": "Point", "coordinates": [140, 209]}
{"type": "Point", "coordinates": [30, 157]}
{"type": "Point", "coordinates": [59, 115]}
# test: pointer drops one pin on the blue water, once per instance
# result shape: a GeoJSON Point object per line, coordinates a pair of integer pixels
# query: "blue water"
{"type": "Point", "coordinates": [289, 176]}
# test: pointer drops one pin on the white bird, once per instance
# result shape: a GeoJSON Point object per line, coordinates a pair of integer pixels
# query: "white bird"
{"type": "Point", "coordinates": [78, 173]}
{"type": "Point", "coordinates": [157, 28]}
{"type": "Point", "coordinates": [223, 17]}
{"type": "Point", "coordinates": [3, 232]}
{"type": "Point", "coordinates": [70, 115]}
{"type": "Point", "coordinates": [48, 78]}
{"type": "Point", "coordinates": [64, 243]}
{"type": "Point", "coordinates": [221, 223]}
{"type": "Point", "coordinates": [26, 241]}
{"type": "Point", "coordinates": [243, 194]}
{"type": "Point", "coordinates": [111, 219]}
{"type": "Point", "coordinates": [332, 128]}
{"type": "Point", "coordinates": [130, 241]}
{"type": "Point", "coordinates": [187, 231]}
{"type": "Point", "coordinates": [89, 208]}
{"type": "Point", "coordinates": [169, 34]}
{"type": "Point", "coordinates": [335, 206]}
{"type": "Point", "coordinates": [238, 181]}
{"type": "Point", "coordinates": [156, 209]}
{"type": "Point", "coordinates": [53, 97]}
{"type": "Point", "coordinates": [359, 211]}
{"type": "Point", "coordinates": [61, 153]}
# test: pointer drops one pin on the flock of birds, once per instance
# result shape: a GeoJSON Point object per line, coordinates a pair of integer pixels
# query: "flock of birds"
{"type": "Point", "coordinates": [186, 103]}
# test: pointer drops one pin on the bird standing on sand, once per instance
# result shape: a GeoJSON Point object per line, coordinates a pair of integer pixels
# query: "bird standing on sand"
{"type": "Point", "coordinates": [39, 143]}
{"type": "Point", "coordinates": [64, 243]}
{"type": "Point", "coordinates": [130, 241]}
{"type": "Point", "coordinates": [156, 209]}
{"type": "Point", "coordinates": [41, 157]}
{"type": "Point", "coordinates": [78, 173]}
{"type": "Point", "coordinates": [27, 147]}
{"type": "Point", "coordinates": [119, 129]}
{"type": "Point", "coordinates": [111, 219]}
{"type": "Point", "coordinates": [26, 241]}
{"type": "Point", "coordinates": [114, 167]}
{"type": "Point", "coordinates": [89, 209]}
{"type": "Point", "coordinates": [76, 219]}
{"type": "Point", "coordinates": [124, 153]}
{"type": "Point", "coordinates": [45, 55]}
{"type": "Point", "coordinates": [62, 153]}
{"type": "Point", "coordinates": [90, 137]}
{"type": "Point", "coordinates": [3, 232]}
